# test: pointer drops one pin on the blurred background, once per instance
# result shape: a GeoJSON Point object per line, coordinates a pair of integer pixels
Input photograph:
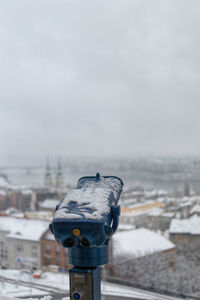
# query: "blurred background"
{"type": "Point", "coordinates": [109, 87]}
{"type": "Point", "coordinates": [87, 81]}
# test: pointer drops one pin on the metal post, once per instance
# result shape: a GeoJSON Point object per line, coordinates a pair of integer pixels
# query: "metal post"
{"type": "Point", "coordinates": [85, 283]}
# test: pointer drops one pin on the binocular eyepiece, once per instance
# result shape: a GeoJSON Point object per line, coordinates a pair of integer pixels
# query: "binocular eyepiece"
{"type": "Point", "coordinates": [70, 242]}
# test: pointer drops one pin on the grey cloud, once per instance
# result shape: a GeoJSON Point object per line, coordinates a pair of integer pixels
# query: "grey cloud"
{"type": "Point", "coordinates": [109, 77]}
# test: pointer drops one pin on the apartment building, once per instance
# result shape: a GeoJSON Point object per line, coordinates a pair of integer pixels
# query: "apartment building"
{"type": "Point", "coordinates": [20, 242]}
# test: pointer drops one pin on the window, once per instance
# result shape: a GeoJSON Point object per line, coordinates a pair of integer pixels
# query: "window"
{"type": "Point", "coordinates": [173, 235]}
{"type": "Point", "coordinates": [3, 251]}
{"type": "Point", "coordinates": [57, 260]}
{"type": "Point", "coordinates": [57, 249]}
{"type": "Point", "coordinates": [34, 251]}
{"type": "Point", "coordinates": [19, 247]}
{"type": "Point", "coordinates": [47, 247]}
{"type": "Point", "coordinates": [47, 260]}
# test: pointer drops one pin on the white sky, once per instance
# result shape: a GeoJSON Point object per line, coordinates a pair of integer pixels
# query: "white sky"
{"type": "Point", "coordinates": [117, 77]}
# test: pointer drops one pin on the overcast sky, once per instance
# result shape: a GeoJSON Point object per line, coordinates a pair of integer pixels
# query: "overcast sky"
{"type": "Point", "coordinates": [109, 77]}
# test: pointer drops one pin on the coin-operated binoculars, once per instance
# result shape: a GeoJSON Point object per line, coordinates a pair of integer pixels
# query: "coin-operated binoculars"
{"type": "Point", "coordinates": [84, 222]}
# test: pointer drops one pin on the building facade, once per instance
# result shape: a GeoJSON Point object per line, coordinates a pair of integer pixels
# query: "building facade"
{"type": "Point", "coordinates": [20, 242]}
{"type": "Point", "coordinates": [185, 231]}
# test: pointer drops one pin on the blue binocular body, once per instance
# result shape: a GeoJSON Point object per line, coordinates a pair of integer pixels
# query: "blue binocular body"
{"type": "Point", "coordinates": [86, 219]}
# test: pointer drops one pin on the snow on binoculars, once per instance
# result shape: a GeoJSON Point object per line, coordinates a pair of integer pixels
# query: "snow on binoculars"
{"type": "Point", "coordinates": [88, 216]}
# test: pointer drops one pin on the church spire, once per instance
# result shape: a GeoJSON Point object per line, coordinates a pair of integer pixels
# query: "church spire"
{"type": "Point", "coordinates": [48, 177]}
{"type": "Point", "coordinates": [59, 175]}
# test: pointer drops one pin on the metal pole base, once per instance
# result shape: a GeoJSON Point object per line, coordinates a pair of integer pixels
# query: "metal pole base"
{"type": "Point", "coordinates": [85, 283]}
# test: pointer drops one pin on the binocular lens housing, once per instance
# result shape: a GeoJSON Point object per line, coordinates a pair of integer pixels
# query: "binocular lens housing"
{"type": "Point", "coordinates": [68, 242]}
{"type": "Point", "coordinates": [84, 242]}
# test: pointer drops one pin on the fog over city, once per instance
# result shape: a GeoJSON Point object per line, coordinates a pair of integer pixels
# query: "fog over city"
{"type": "Point", "coordinates": [99, 127]}
{"type": "Point", "coordinates": [117, 78]}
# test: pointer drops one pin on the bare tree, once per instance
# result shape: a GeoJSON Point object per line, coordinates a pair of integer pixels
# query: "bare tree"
{"type": "Point", "coordinates": [164, 272]}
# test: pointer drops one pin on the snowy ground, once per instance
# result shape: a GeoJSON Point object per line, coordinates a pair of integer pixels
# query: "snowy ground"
{"type": "Point", "coordinates": [49, 281]}
{"type": "Point", "coordinates": [14, 290]}
{"type": "Point", "coordinates": [16, 284]}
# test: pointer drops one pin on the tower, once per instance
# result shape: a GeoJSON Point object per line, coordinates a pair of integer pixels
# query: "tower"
{"type": "Point", "coordinates": [59, 175]}
{"type": "Point", "coordinates": [48, 178]}
{"type": "Point", "coordinates": [187, 189]}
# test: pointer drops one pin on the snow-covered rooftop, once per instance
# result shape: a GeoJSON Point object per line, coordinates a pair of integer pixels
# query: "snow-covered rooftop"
{"type": "Point", "coordinates": [3, 182]}
{"type": "Point", "coordinates": [23, 228]}
{"type": "Point", "coordinates": [185, 204]}
{"type": "Point", "coordinates": [39, 214]}
{"type": "Point", "coordinates": [27, 191]}
{"type": "Point", "coordinates": [49, 236]}
{"type": "Point", "coordinates": [168, 215]}
{"type": "Point", "coordinates": [155, 212]}
{"type": "Point", "coordinates": [162, 193]}
{"type": "Point", "coordinates": [190, 226]}
{"type": "Point", "coordinates": [14, 212]}
{"type": "Point", "coordinates": [139, 242]}
{"type": "Point", "coordinates": [2, 193]}
{"type": "Point", "coordinates": [154, 207]}
{"type": "Point", "coordinates": [158, 212]}
{"type": "Point", "coordinates": [123, 227]}
{"type": "Point", "coordinates": [49, 203]}
{"type": "Point", "coordinates": [195, 209]}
